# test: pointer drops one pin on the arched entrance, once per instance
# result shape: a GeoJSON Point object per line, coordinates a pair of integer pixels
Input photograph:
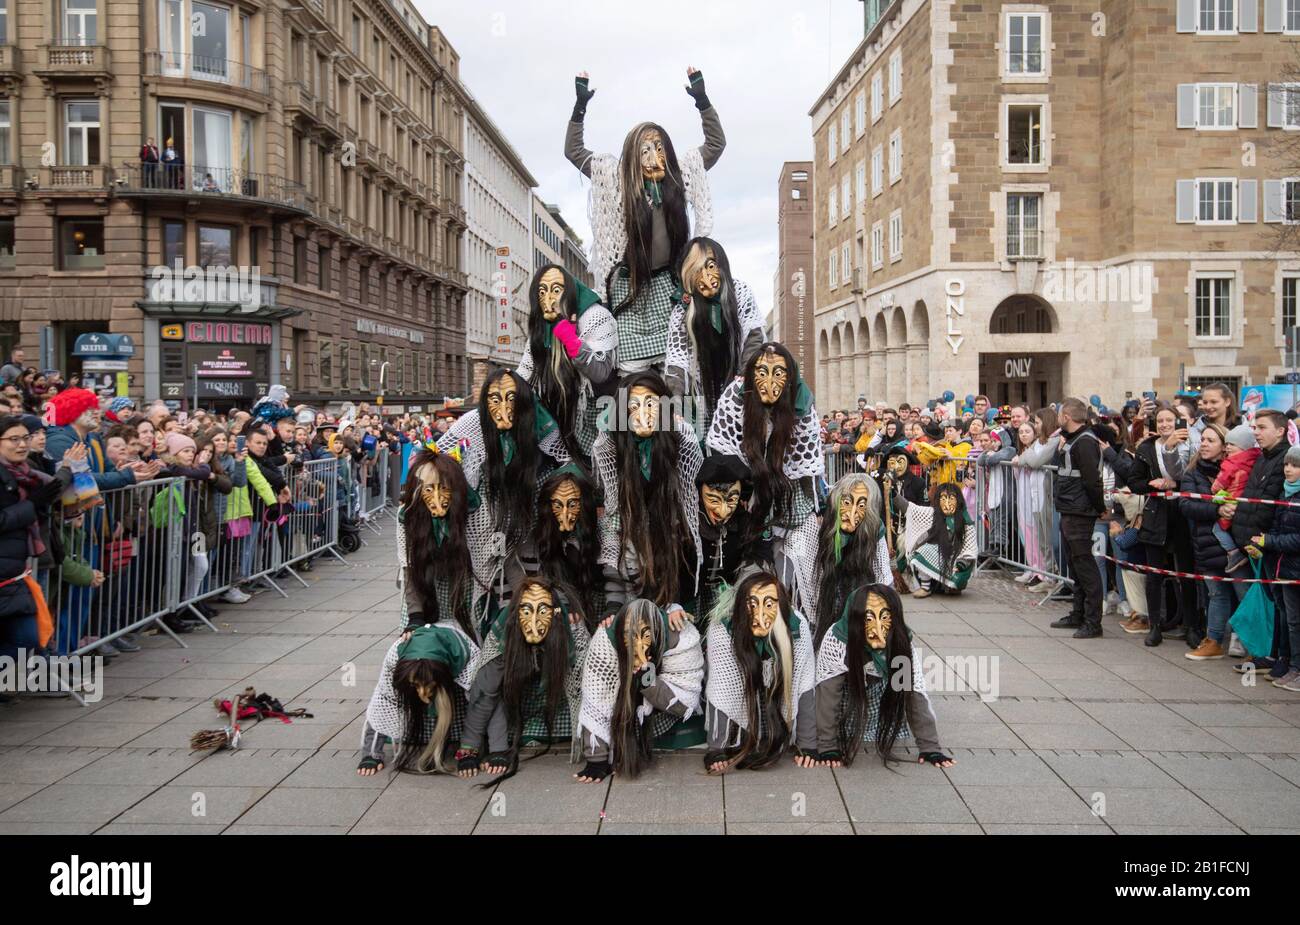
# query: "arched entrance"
{"type": "Point", "coordinates": [1027, 375]}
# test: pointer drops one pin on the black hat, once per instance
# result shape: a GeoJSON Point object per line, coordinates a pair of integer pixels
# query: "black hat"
{"type": "Point", "coordinates": [901, 450]}
{"type": "Point", "coordinates": [722, 467]}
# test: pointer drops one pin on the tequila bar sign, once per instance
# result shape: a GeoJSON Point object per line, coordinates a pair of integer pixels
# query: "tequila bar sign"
{"type": "Point", "coordinates": [366, 326]}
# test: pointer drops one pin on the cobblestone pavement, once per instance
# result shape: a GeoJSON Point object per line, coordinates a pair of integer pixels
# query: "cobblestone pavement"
{"type": "Point", "coordinates": [1152, 741]}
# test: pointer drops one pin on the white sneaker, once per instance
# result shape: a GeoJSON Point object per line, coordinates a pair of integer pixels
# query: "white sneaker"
{"type": "Point", "coordinates": [1124, 609]}
{"type": "Point", "coordinates": [235, 596]}
{"type": "Point", "coordinates": [1235, 648]}
{"type": "Point", "coordinates": [1049, 587]}
{"type": "Point", "coordinates": [1024, 578]}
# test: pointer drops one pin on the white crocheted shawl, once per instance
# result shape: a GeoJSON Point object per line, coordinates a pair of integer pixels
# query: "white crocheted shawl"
{"type": "Point", "coordinates": [916, 524]}
{"type": "Point", "coordinates": [724, 690]}
{"type": "Point", "coordinates": [486, 555]}
{"type": "Point", "coordinates": [384, 714]}
{"type": "Point", "coordinates": [881, 565]}
{"type": "Point", "coordinates": [681, 668]}
{"type": "Point", "coordinates": [679, 353]}
{"type": "Point", "coordinates": [604, 457]}
{"type": "Point", "coordinates": [605, 209]}
{"type": "Point", "coordinates": [831, 663]}
{"type": "Point", "coordinates": [598, 332]}
{"type": "Point", "coordinates": [579, 640]}
{"type": "Point", "coordinates": [803, 456]}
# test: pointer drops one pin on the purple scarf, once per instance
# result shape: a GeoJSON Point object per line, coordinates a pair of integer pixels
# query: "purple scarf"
{"type": "Point", "coordinates": [29, 480]}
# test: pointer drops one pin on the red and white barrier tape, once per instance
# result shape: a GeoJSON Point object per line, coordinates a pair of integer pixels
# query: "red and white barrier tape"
{"type": "Point", "coordinates": [1173, 574]}
{"type": "Point", "coordinates": [1204, 497]}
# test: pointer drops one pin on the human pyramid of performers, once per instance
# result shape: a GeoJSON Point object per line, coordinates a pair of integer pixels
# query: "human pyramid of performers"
{"type": "Point", "coordinates": [624, 547]}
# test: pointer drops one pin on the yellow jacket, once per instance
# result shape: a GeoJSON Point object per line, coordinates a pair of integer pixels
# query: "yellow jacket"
{"type": "Point", "coordinates": [937, 458]}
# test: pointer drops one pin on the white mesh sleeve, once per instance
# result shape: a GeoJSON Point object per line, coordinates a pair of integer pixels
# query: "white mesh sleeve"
{"type": "Point", "coordinates": [678, 352]}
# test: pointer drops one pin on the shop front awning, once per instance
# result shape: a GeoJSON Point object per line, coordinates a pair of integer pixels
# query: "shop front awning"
{"type": "Point", "coordinates": [215, 309]}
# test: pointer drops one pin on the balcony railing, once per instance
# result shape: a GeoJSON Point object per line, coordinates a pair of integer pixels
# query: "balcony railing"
{"type": "Point", "coordinates": [201, 67]}
{"type": "Point", "coordinates": [190, 180]}
{"type": "Point", "coordinates": [10, 178]}
{"type": "Point", "coordinates": [72, 60]}
{"type": "Point", "coordinates": [298, 97]}
{"type": "Point", "coordinates": [65, 178]}
{"type": "Point", "coordinates": [8, 59]}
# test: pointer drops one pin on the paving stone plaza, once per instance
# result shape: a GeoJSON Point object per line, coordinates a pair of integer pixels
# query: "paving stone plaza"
{"type": "Point", "coordinates": [1085, 736]}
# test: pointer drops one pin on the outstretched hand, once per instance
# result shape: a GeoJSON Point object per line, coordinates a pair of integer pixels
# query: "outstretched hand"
{"type": "Point", "coordinates": [695, 87]}
{"type": "Point", "coordinates": [583, 92]}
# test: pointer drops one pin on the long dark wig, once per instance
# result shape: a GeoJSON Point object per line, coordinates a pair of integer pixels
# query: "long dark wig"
{"type": "Point", "coordinates": [768, 735]}
{"type": "Point", "coordinates": [716, 352]}
{"type": "Point", "coordinates": [428, 562]}
{"type": "Point", "coordinates": [580, 571]}
{"type": "Point", "coordinates": [511, 488]}
{"type": "Point", "coordinates": [766, 455]}
{"type": "Point", "coordinates": [555, 381]}
{"type": "Point", "coordinates": [409, 676]}
{"type": "Point", "coordinates": [893, 696]}
{"type": "Point", "coordinates": [527, 664]}
{"type": "Point", "coordinates": [948, 541]}
{"type": "Point", "coordinates": [857, 550]}
{"type": "Point", "coordinates": [651, 519]}
{"type": "Point", "coordinates": [630, 740]}
{"type": "Point", "coordinates": [638, 215]}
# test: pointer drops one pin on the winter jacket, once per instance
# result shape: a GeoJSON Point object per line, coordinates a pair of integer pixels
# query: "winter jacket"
{"type": "Point", "coordinates": [15, 517]}
{"type": "Point", "coordinates": [74, 569]}
{"type": "Point", "coordinates": [1234, 473]}
{"type": "Point", "coordinates": [60, 439]}
{"type": "Point", "coordinates": [1266, 478]}
{"type": "Point", "coordinates": [1078, 488]}
{"type": "Point", "coordinates": [239, 504]}
{"type": "Point", "coordinates": [1282, 541]}
{"type": "Point", "coordinates": [1211, 559]}
{"type": "Point", "coordinates": [1155, 511]}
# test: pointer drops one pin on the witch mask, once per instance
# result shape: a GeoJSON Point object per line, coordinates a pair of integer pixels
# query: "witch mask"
{"type": "Point", "coordinates": [501, 402]}
{"type": "Point", "coordinates": [853, 508]}
{"type": "Point", "coordinates": [536, 611]}
{"type": "Point", "coordinates": [708, 280]}
{"type": "Point", "coordinates": [879, 620]}
{"type": "Point", "coordinates": [654, 160]}
{"type": "Point", "coordinates": [770, 376]}
{"type": "Point", "coordinates": [566, 504]}
{"type": "Point", "coordinates": [720, 502]}
{"type": "Point", "coordinates": [764, 606]}
{"type": "Point", "coordinates": [435, 495]}
{"type": "Point", "coordinates": [896, 465]}
{"type": "Point", "coordinates": [550, 293]}
{"type": "Point", "coordinates": [947, 503]}
{"type": "Point", "coordinates": [640, 639]}
{"type": "Point", "coordinates": [643, 410]}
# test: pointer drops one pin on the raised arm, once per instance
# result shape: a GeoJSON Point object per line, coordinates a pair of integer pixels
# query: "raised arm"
{"type": "Point", "coordinates": [574, 148]}
{"type": "Point", "coordinates": [714, 139]}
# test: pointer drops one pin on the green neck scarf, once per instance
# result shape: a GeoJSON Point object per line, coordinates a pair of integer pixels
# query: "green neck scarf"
{"type": "Point", "coordinates": [803, 396]}
{"type": "Point", "coordinates": [586, 298]}
{"type": "Point", "coordinates": [437, 643]}
{"type": "Point", "coordinates": [440, 530]}
{"type": "Point", "coordinates": [644, 446]}
{"type": "Point", "coordinates": [507, 440]}
{"type": "Point", "coordinates": [653, 192]}
{"type": "Point", "coordinates": [841, 632]}
{"type": "Point", "coordinates": [715, 312]}
{"type": "Point", "coordinates": [543, 424]}
{"type": "Point", "coordinates": [763, 647]}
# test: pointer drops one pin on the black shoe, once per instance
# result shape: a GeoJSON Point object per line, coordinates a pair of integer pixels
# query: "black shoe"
{"type": "Point", "coordinates": [1154, 637]}
{"type": "Point", "coordinates": [1087, 631]}
{"type": "Point", "coordinates": [206, 609]}
{"type": "Point", "coordinates": [305, 566]}
{"type": "Point", "coordinates": [177, 626]}
{"type": "Point", "coordinates": [1067, 623]}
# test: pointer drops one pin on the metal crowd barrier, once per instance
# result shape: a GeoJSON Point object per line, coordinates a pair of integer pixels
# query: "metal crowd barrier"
{"type": "Point", "coordinates": [372, 482]}
{"type": "Point", "coordinates": [1017, 527]}
{"type": "Point", "coordinates": [146, 551]}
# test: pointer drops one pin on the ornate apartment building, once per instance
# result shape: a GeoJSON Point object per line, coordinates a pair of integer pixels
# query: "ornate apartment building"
{"type": "Point", "coordinates": [255, 192]}
{"type": "Point", "coordinates": [498, 247]}
{"type": "Point", "coordinates": [1039, 199]}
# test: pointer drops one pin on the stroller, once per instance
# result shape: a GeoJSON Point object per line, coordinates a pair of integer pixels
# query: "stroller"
{"type": "Point", "coordinates": [349, 533]}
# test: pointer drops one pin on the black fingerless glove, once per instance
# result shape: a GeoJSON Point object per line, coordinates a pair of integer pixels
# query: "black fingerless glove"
{"type": "Point", "coordinates": [467, 759]}
{"type": "Point", "coordinates": [498, 760]}
{"type": "Point", "coordinates": [935, 757]}
{"type": "Point", "coordinates": [597, 770]}
{"type": "Point", "coordinates": [831, 756]}
{"type": "Point", "coordinates": [584, 94]}
{"type": "Point", "coordinates": [696, 90]}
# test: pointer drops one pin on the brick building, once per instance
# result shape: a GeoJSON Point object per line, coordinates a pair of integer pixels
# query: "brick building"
{"type": "Point", "coordinates": [1039, 199]}
{"type": "Point", "coordinates": [792, 304]}
{"type": "Point", "coordinates": [310, 193]}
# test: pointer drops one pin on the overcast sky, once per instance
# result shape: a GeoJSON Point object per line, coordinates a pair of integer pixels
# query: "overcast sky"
{"type": "Point", "coordinates": [764, 64]}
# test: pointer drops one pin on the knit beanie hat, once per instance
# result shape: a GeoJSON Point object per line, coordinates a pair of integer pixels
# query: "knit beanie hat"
{"type": "Point", "coordinates": [1293, 456]}
{"type": "Point", "coordinates": [1242, 436]}
{"type": "Point", "coordinates": [117, 406]}
{"type": "Point", "coordinates": [72, 404]}
{"type": "Point", "coordinates": [177, 441]}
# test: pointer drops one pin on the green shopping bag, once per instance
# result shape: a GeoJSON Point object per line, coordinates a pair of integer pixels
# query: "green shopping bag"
{"type": "Point", "coordinates": [1252, 621]}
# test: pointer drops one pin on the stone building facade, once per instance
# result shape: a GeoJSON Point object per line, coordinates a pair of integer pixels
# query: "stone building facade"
{"type": "Point", "coordinates": [1039, 199]}
{"type": "Point", "coordinates": [792, 303]}
{"type": "Point", "coordinates": [309, 196]}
